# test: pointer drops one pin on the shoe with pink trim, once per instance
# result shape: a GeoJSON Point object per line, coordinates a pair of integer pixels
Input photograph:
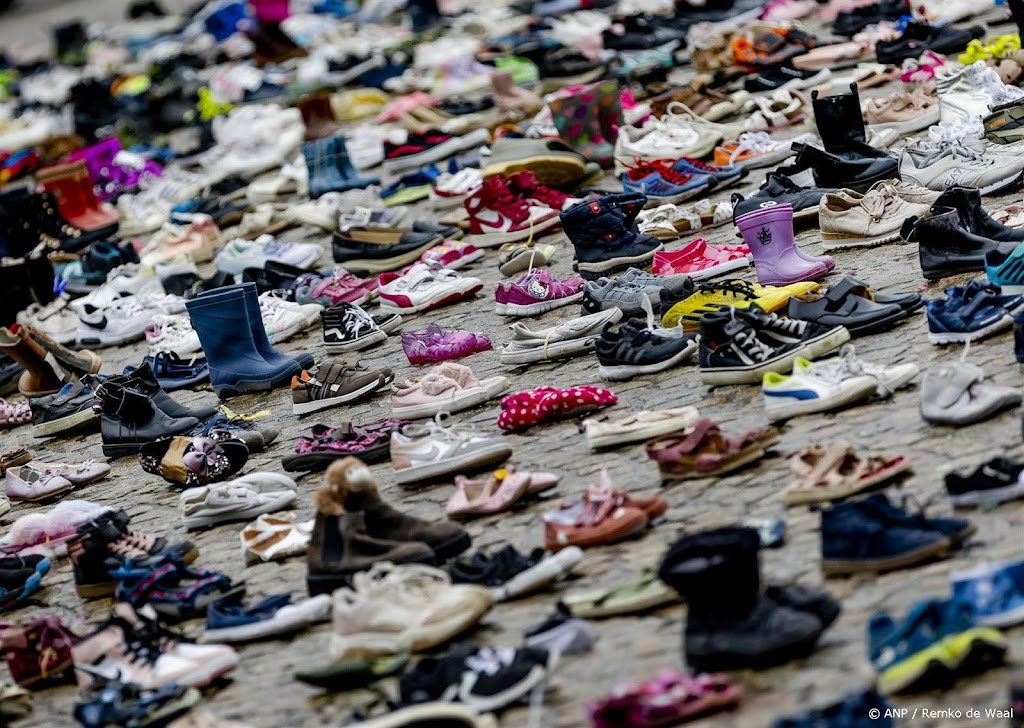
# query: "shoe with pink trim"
{"type": "Point", "coordinates": [921, 70]}
{"type": "Point", "coordinates": [699, 260]}
{"type": "Point", "coordinates": [777, 10]}
{"type": "Point", "coordinates": [437, 344]}
{"type": "Point", "coordinates": [447, 388]}
{"type": "Point", "coordinates": [536, 292]}
{"type": "Point", "coordinates": [670, 698]}
{"type": "Point", "coordinates": [340, 287]}
{"type": "Point", "coordinates": [453, 254]}
{"type": "Point", "coordinates": [495, 493]}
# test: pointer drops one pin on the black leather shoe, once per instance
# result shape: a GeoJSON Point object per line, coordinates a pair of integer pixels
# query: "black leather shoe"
{"type": "Point", "coordinates": [130, 419]}
{"type": "Point", "coordinates": [946, 248]}
{"type": "Point", "coordinates": [857, 169]}
{"type": "Point", "coordinates": [967, 202]}
{"type": "Point", "coordinates": [369, 250]}
{"type": "Point", "coordinates": [144, 381]}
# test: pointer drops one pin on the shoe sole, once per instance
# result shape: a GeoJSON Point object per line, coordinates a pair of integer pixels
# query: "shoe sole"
{"type": "Point", "coordinates": [64, 424]}
{"type": "Point", "coordinates": [321, 404]}
{"type": "Point", "coordinates": [787, 410]}
{"type": "Point", "coordinates": [535, 309]}
{"type": "Point", "coordinates": [594, 271]}
{"type": "Point", "coordinates": [551, 170]}
{"type": "Point", "coordinates": [492, 240]}
{"type": "Point", "coordinates": [436, 153]}
{"type": "Point", "coordinates": [458, 403]}
{"type": "Point", "coordinates": [478, 459]}
{"type": "Point", "coordinates": [387, 306]}
{"type": "Point", "coordinates": [837, 241]}
{"type": "Point", "coordinates": [548, 352]}
{"type": "Point", "coordinates": [877, 566]}
{"type": "Point", "coordinates": [994, 496]}
{"type": "Point", "coordinates": [938, 665]}
{"type": "Point", "coordinates": [364, 343]}
{"type": "Point", "coordinates": [952, 337]}
{"type": "Point", "coordinates": [753, 374]}
{"type": "Point", "coordinates": [628, 371]}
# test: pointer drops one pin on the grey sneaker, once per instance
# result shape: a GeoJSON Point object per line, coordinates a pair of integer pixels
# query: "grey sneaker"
{"type": "Point", "coordinates": [956, 395]}
{"type": "Point", "coordinates": [565, 340]}
{"type": "Point", "coordinates": [959, 166]}
{"type": "Point", "coordinates": [628, 290]}
{"type": "Point", "coordinates": [854, 220]}
{"type": "Point", "coordinates": [336, 382]}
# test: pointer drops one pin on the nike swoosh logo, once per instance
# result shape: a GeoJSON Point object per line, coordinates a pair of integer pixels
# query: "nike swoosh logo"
{"type": "Point", "coordinates": [990, 473]}
{"type": "Point", "coordinates": [490, 217]}
{"type": "Point", "coordinates": [429, 455]}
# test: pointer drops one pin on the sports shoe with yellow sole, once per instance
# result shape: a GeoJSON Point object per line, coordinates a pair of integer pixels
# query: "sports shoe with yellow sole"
{"type": "Point", "coordinates": [737, 294]}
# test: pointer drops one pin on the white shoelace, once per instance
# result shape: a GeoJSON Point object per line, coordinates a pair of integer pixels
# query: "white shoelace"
{"type": "Point", "coordinates": [755, 143]}
{"type": "Point", "coordinates": [491, 660]}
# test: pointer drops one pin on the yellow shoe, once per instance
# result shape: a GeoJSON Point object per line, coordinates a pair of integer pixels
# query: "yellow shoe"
{"type": "Point", "coordinates": [710, 297]}
{"type": "Point", "coordinates": [358, 103]}
{"type": "Point", "coordinates": [209, 107]}
{"type": "Point", "coordinates": [976, 51]}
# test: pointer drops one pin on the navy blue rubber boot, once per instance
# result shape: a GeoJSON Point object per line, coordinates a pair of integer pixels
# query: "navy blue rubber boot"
{"type": "Point", "coordinates": [259, 333]}
{"type": "Point", "coordinates": [222, 322]}
{"type": "Point", "coordinates": [330, 168]}
{"type": "Point", "coordinates": [602, 233]}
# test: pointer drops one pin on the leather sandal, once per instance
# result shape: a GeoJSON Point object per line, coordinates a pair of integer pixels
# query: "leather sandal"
{"type": "Point", "coordinates": [702, 451]}
{"type": "Point", "coordinates": [836, 471]}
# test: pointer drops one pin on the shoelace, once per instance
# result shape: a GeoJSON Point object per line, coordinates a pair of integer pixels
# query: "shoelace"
{"type": "Point", "coordinates": [754, 143]}
{"type": "Point", "coordinates": [356, 319]}
{"type": "Point", "coordinates": [491, 660]}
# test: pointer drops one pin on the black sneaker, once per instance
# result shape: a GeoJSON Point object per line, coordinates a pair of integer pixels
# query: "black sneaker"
{"type": "Point", "coordinates": [997, 481]}
{"type": "Point", "coordinates": [388, 322]}
{"type": "Point", "coordinates": [851, 22]}
{"type": "Point", "coordinates": [784, 77]}
{"type": "Point", "coordinates": [485, 678]}
{"type": "Point", "coordinates": [67, 410]}
{"type": "Point", "coordinates": [782, 330]}
{"type": "Point", "coordinates": [636, 349]}
{"type": "Point", "coordinates": [920, 37]}
{"type": "Point", "coordinates": [778, 189]}
{"type": "Point", "coordinates": [347, 327]}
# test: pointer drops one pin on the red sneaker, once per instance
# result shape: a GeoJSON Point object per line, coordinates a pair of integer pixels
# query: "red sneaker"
{"type": "Point", "coordinates": [497, 216]}
{"type": "Point", "coordinates": [525, 185]}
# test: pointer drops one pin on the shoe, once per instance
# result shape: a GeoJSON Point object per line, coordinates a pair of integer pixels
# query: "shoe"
{"type": "Point", "coordinates": [936, 643]}
{"type": "Point", "coordinates": [857, 169]}
{"type": "Point", "coordinates": [733, 626]}
{"type": "Point", "coordinates": [536, 292]}
{"type": "Point", "coordinates": [848, 708]}
{"type": "Point", "coordinates": [122, 322]}
{"type": "Point", "coordinates": [601, 234]}
{"type": "Point", "coordinates": [551, 161]}
{"type": "Point", "coordinates": [888, 379]}
{"type": "Point", "coordinates": [173, 373]}
{"type": "Point", "coordinates": [56, 319]}
{"type": "Point", "coordinates": [497, 216]}
{"type": "Point", "coordinates": [432, 146]}
{"type": "Point", "coordinates": [753, 149]}
{"type": "Point", "coordinates": [808, 390]}
{"type": "Point", "coordinates": [957, 395]}
{"type": "Point", "coordinates": [854, 20]}
{"type": "Point", "coordinates": [522, 410]}
{"type": "Point", "coordinates": [600, 518]}
{"type": "Point", "coordinates": [30, 350]}
{"type": "Point", "coordinates": [69, 409]}
{"type": "Point", "coordinates": [661, 141]}
{"type": "Point", "coordinates": [274, 616]}
{"type": "Point", "coordinates": [693, 301]}
{"type": "Point", "coordinates": [628, 292]}
{"type": "Point", "coordinates": [378, 250]}
{"type": "Point", "coordinates": [561, 633]}
{"type": "Point", "coordinates": [631, 705]}
{"type": "Point", "coordinates": [956, 319]}
{"type": "Point", "coordinates": [918, 37]}
{"type": "Point", "coordinates": [849, 221]}
{"type": "Point", "coordinates": [497, 492]}
{"type": "Point", "coordinates": [507, 574]}
{"type": "Point", "coordinates": [740, 347]}
{"type": "Point", "coordinates": [777, 260]}
{"type": "Point", "coordinates": [111, 702]}
{"type": "Point", "coordinates": [844, 305]}
{"type": "Point", "coordinates": [438, 345]}
{"type": "Point", "coordinates": [637, 427]}
{"type": "Point", "coordinates": [943, 169]}
{"type": "Point", "coordinates": [347, 327]}
{"type": "Point", "coordinates": [779, 189]}
{"type": "Point", "coordinates": [339, 287]}
{"type": "Point", "coordinates": [785, 77]}
{"type": "Point", "coordinates": [240, 254]}
{"type": "Point", "coordinates": [995, 592]}
{"type": "Point", "coordinates": [635, 350]}
{"type": "Point", "coordinates": [570, 338]}
{"type": "Point", "coordinates": [131, 419]}
{"type": "Point", "coordinates": [973, 217]}
{"type": "Point", "coordinates": [446, 388]}
{"type": "Point", "coordinates": [333, 383]}
{"type": "Point", "coordinates": [946, 247]}
{"type": "Point", "coordinates": [453, 254]}
{"type": "Point", "coordinates": [437, 448]}
{"type": "Point", "coordinates": [662, 184]}
{"type": "Point", "coordinates": [997, 481]}
{"type": "Point", "coordinates": [40, 653]}
{"type": "Point", "coordinates": [1003, 124]}
{"type": "Point", "coordinates": [526, 186]}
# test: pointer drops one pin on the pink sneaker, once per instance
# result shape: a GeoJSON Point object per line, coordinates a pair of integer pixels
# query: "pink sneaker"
{"type": "Point", "coordinates": [437, 344]}
{"type": "Point", "coordinates": [452, 254]}
{"type": "Point", "coordinates": [536, 292]}
{"type": "Point", "coordinates": [776, 10]}
{"type": "Point", "coordinates": [446, 388]}
{"type": "Point", "coordinates": [340, 287]}
{"type": "Point", "coordinates": [699, 260]}
{"type": "Point", "coordinates": [921, 70]}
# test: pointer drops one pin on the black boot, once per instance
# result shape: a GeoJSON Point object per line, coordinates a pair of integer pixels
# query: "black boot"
{"type": "Point", "coordinates": [857, 168]}
{"type": "Point", "coordinates": [601, 232]}
{"type": "Point", "coordinates": [730, 624]}
{"type": "Point", "coordinates": [967, 202]}
{"type": "Point", "coordinates": [946, 247]}
{"type": "Point", "coordinates": [130, 419]}
{"type": "Point", "coordinates": [839, 119]}
{"type": "Point", "coordinates": [143, 381]}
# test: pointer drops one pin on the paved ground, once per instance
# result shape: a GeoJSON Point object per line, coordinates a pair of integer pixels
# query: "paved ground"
{"type": "Point", "coordinates": [262, 692]}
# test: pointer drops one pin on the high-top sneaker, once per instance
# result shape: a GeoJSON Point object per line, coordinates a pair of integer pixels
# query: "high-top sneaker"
{"type": "Point", "coordinates": [498, 216]}
{"type": "Point", "coordinates": [39, 653]}
{"type": "Point", "coordinates": [601, 231]}
{"type": "Point", "coordinates": [525, 185]}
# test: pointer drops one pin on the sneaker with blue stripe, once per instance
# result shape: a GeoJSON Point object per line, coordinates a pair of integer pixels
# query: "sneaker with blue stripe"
{"type": "Point", "coordinates": [956, 319]}
{"type": "Point", "coordinates": [1006, 271]}
{"type": "Point", "coordinates": [664, 185]}
{"type": "Point", "coordinates": [811, 389]}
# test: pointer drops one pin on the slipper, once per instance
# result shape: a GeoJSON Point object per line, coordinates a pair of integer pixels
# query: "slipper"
{"type": "Point", "coordinates": [836, 471]}
{"type": "Point", "coordinates": [641, 595]}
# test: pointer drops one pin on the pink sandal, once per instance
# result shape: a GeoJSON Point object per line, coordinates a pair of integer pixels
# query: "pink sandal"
{"type": "Point", "coordinates": [699, 259]}
{"type": "Point", "coordinates": [669, 699]}
{"type": "Point", "coordinates": [12, 415]}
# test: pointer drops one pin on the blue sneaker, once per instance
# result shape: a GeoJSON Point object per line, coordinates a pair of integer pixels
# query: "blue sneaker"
{"type": "Point", "coordinates": [1012, 302]}
{"type": "Point", "coordinates": [996, 591]}
{"type": "Point", "coordinates": [853, 711]}
{"type": "Point", "coordinates": [936, 643]}
{"type": "Point", "coordinates": [1006, 271]}
{"type": "Point", "coordinates": [724, 176]}
{"type": "Point", "coordinates": [664, 185]}
{"type": "Point", "coordinates": [228, 621]}
{"type": "Point", "coordinates": [955, 320]}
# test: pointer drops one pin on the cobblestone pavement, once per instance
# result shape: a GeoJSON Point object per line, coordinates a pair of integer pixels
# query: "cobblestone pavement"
{"type": "Point", "coordinates": [262, 691]}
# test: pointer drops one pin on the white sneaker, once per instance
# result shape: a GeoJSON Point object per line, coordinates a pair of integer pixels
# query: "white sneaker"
{"type": "Point", "coordinates": [141, 214]}
{"type": "Point", "coordinates": [888, 378]}
{"type": "Point", "coordinates": [130, 279]}
{"type": "Point", "coordinates": [451, 190]}
{"type": "Point", "coordinates": [984, 77]}
{"type": "Point", "coordinates": [759, 150]}
{"type": "Point", "coordinates": [810, 389]}
{"type": "Point", "coordinates": [424, 287]}
{"type": "Point", "coordinates": [122, 321]}
{"type": "Point", "coordinates": [959, 96]}
{"type": "Point", "coordinates": [240, 254]}
{"type": "Point", "coordinates": [285, 319]}
{"type": "Point", "coordinates": [174, 334]}
{"type": "Point", "coordinates": [57, 319]}
{"type": "Point", "coordinates": [437, 448]}
{"type": "Point", "coordinates": [657, 141]}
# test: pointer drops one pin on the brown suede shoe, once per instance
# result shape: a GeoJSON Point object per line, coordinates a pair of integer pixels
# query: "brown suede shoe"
{"type": "Point", "coordinates": [354, 487]}
{"type": "Point", "coordinates": [39, 378]}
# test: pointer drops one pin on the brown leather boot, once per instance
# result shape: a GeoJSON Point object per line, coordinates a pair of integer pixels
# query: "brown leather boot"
{"type": "Point", "coordinates": [352, 484]}
{"type": "Point", "coordinates": [39, 378]}
{"type": "Point", "coordinates": [77, 362]}
{"type": "Point", "coordinates": [318, 117]}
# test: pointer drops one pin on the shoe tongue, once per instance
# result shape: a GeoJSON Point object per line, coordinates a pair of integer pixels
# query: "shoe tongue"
{"type": "Point", "coordinates": [457, 372]}
{"type": "Point", "coordinates": [436, 384]}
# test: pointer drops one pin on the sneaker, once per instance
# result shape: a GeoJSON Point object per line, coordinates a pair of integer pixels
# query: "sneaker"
{"type": "Point", "coordinates": [112, 702]}
{"type": "Point", "coordinates": [333, 383]}
{"type": "Point", "coordinates": [240, 254]}
{"type": "Point", "coordinates": [525, 186]}
{"type": "Point", "coordinates": [634, 350]}
{"type": "Point", "coordinates": [447, 388]}
{"type": "Point", "coordinates": [347, 327]}
{"type": "Point", "coordinates": [272, 617]}
{"type": "Point", "coordinates": [453, 254]}
{"type": "Point", "coordinates": [959, 166]}
{"type": "Point", "coordinates": [438, 448]}
{"type": "Point", "coordinates": [451, 189]}
{"type": "Point", "coordinates": [57, 319]}
{"type": "Point", "coordinates": [888, 379]}
{"type": "Point", "coordinates": [284, 319]}
{"type": "Point", "coordinates": [508, 574]}
{"type": "Point", "coordinates": [1006, 270]}
{"type": "Point", "coordinates": [432, 146]}
{"type": "Point", "coordinates": [1005, 125]}
{"type": "Point", "coordinates": [778, 189]}
{"type": "Point", "coordinates": [69, 409]}
{"type": "Point", "coordinates": [785, 77]}
{"type": "Point", "coordinates": [657, 141]}
{"type": "Point", "coordinates": [637, 427]}
{"type": "Point", "coordinates": [955, 320]}
{"type": "Point", "coordinates": [692, 301]}
{"type": "Point", "coordinates": [120, 322]}
{"type": "Point", "coordinates": [905, 113]}
{"type": "Point", "coordinates": [40, 653]}
{"type": "Point", "coordinates": [809, 390]}
{"type": "Point", "coordinates": [753, 150]}
{"type": "Point", "coordinates": [918, 37]}
{"type": "Point", "coordinates": [997, 481]}
{"type": "Point", "coordinates": [628, 295]}
{"type": "Point", "coordinates": [662, 184]}
{"type": "Point", "coordinates": [570, 338]}
{"type": "Point", "coordinates": [174, 334]}
{"type": "Point", "coordinates": [20, 577]}
{"type": "Point", "coordinates": [849, 221]}
{"type": "Point", "coordinates": [391, 610]}
{"type": "Point", "coordinates": [497, 216]}
{"type": "Point", "coordinates": [536, 292]}
{"type": "Point", "coordinates": [339, 287]}
{"type": "Point", "coordinates": [740, 347]}
{"type": "Point", "coordinates": [994, 591]}
{"type": "Point", "coordinates": [424, 287]}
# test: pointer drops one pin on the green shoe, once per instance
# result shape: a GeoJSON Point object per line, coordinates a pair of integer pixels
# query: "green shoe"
{"type": "Point", "coordinates": [352, 674]}
{"type": "Point", "coordinates": [523, 70]}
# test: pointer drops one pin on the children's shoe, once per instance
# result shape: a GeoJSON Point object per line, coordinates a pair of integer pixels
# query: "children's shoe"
{"type": "Point", "coordinates": [1006, 271]}
{"type": "Point", "coordinates": [437, 344]}
{"type": "Point", "coordinates": [664, 185]}
{"type": "Point", "coordinates": [808, 390]}
{"type": "Point", "coordinates": [536, 292]}
{"type": "Point", "coordinates": [39, 653]}
{"type": "Point", "coordinates": [453, 254]}
{"type": "Point", "coordinates": [995, 591]}
{"type": "Point", "coordinates": [955, 320]}
{"type": "Point", "coordinates": [111, 702]}
{"type": "Point", "coordinates": [699, 260]}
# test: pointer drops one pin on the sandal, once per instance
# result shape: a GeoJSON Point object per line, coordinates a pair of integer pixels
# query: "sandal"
{"type": "Point", "coordinates": [13, 458]}
{"type": "Point", "coordinates": [641, 595]}
{"type": "Point", "coordinates": [783, 109]}
{"type": "Point", "coordinates": [1010, 216]}
{"type": "Point", "coordinates": [836, 471]}
{"type": "Point", "coordinates": [702, 451]}
{"type": "Point", "coordinates": [161, 586]}
{"type": "Point", "coordinates": [670, 698]}
{"type": "Point", "coordinates": [275, 537]}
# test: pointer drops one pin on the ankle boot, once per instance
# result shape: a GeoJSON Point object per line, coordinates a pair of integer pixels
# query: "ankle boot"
{"type": "Point", "coordinates": [39, 654]}
{"type": "Point", "coordinates": [79, 362]}
{"type": "Point", "coordinates": [510, 96]}
{"type": "Point", "coordinates": [769, 235]}
{"type": "Point", "coordinates": [39, 378]}
{"type": "Point", "coordinates": [76, 201]}
{"type": "Point", "coordinates": [229, 336]}
{"type": "Point", "coordinates": [945, 247]}
{"type": "Point", "coordinates": [967, 202]}
{"type": "Point", "coordinates": [144, 381]}
{"type": "Point", "coordinates": [352, 484]}
{"type": "Point", "coordinates": [601, 232]}
{"type": "Point", "coordinates": [318, 117]}
{"type": "Point", "coordinates": [130, 419]}
{"type": "Point", "coordinates": [330, 168]}
{"type": "Point", "coordinates": [340, 546]}
{"type": "Point", "coordinates": [729, 624]}
{"type": "Point", "coordinates": [839, 119]}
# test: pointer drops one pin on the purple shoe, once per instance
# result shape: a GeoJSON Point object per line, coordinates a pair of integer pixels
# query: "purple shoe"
{"type": "Point", "coordinates": [110, 174]}
{"type": "Point", "coordinates": [777, 259]}
{"type": "Point", "coordinates": [370, 444]}
{"type": "Point", "coordinates": [437, 344]}
{"type": "Point", "coordinates": [536, 292]}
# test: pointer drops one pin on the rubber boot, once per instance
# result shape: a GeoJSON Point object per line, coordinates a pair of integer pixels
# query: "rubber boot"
{"type": "Point", "coordinates": [222, 321]}
{"type": "Point", "coordinates": [581, 118]}
{"type": "Point", "coordinates": [72, 187]}
{"type": "Point", "coordinates": [839, 119]}
{"type": "Point", "coordinates": [730, 625]}
{"type": "Point", "coordinates": [330, 169]}
{"type": "Point", "coordinates": [318, 117]}
{"type": "Point", "coordinates": [769, 235]}
{"type": "Point", "coordinates": [39, 378]}
{"type": "Point", "coordinates": [967, 202]}
{"type": "Point", "coordinates": [259, 333]}
{"type": "Point", "coordinates": [130, 419]}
